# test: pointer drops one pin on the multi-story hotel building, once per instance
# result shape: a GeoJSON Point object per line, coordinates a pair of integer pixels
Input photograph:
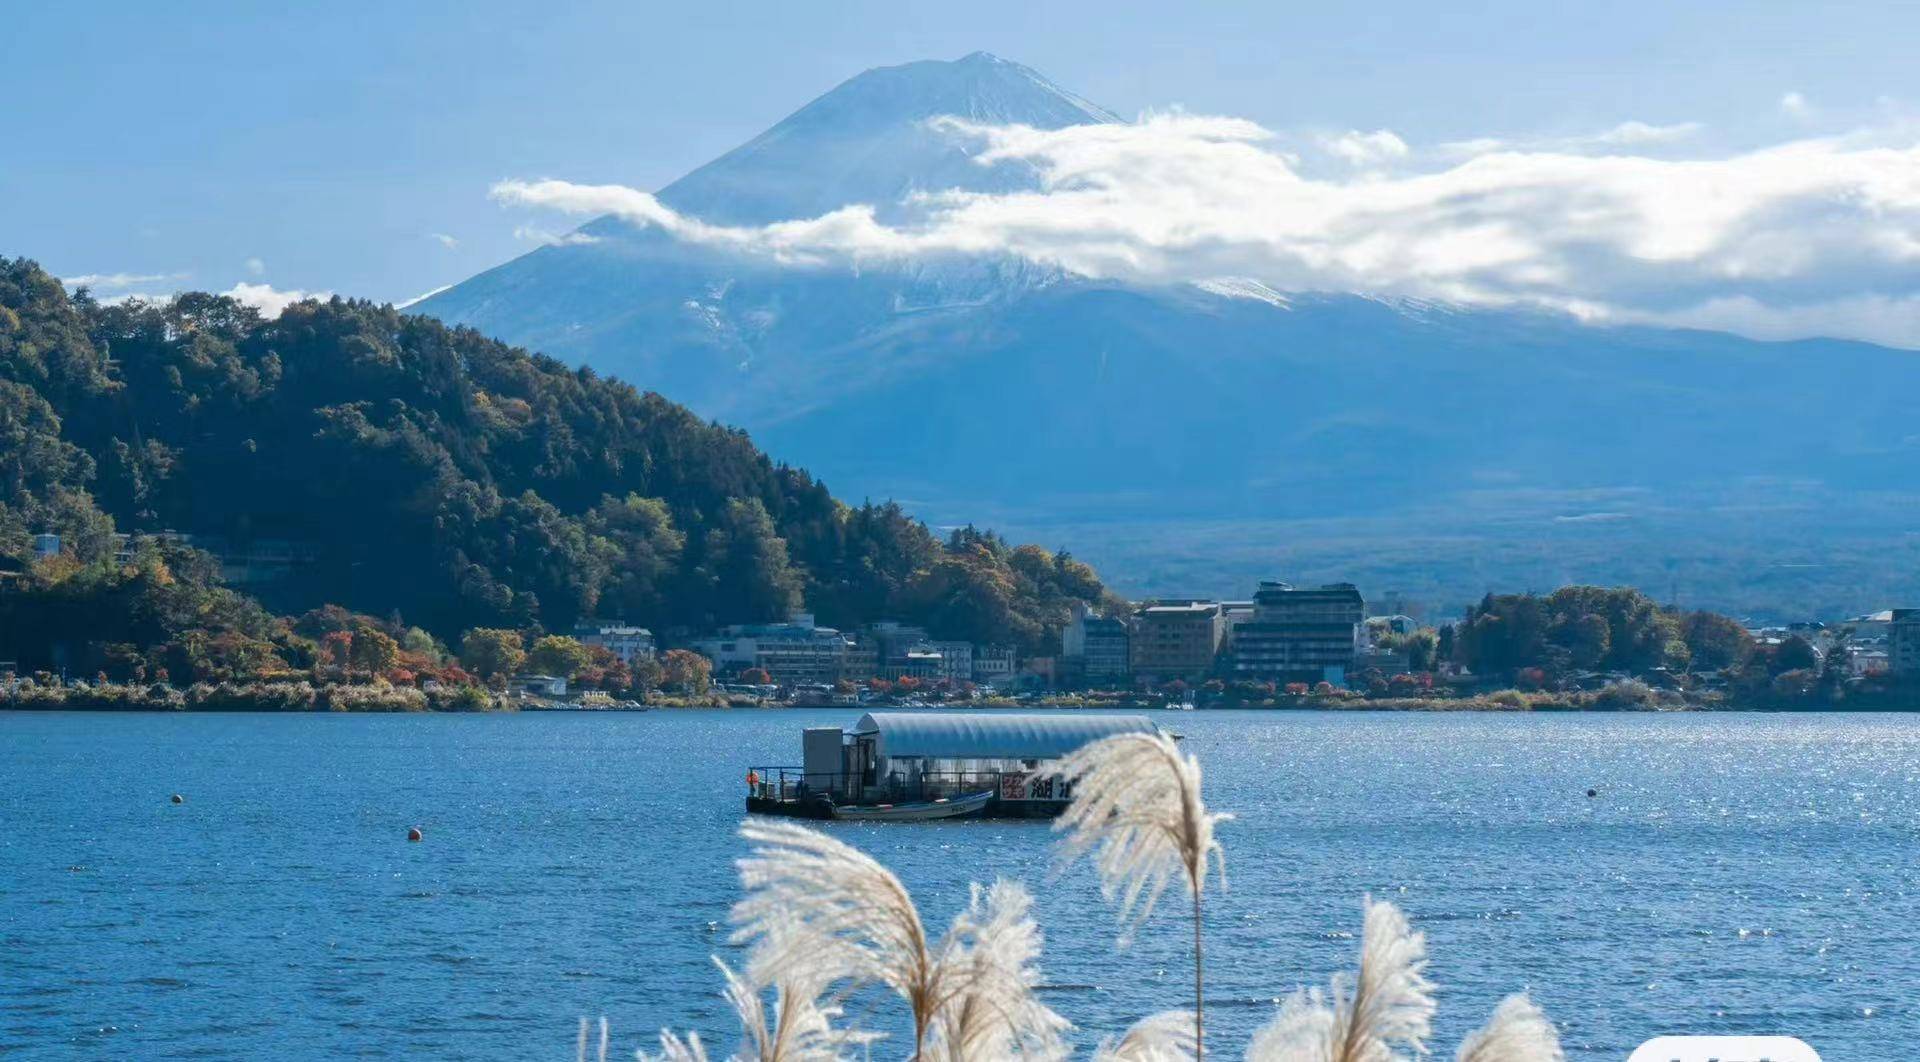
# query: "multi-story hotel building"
{"type": "Point", "coordinates": [1176, 640]}
{"type": "Point", "coordinates": [1306, 635]}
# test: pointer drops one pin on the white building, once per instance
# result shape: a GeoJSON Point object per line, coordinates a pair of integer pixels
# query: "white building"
{"type": "Point", "coordinates": [956, 660]}
{"type": "Point", "coordinates": [791, 653]}
{"type": "Point", "coordinates": [924, 664]}
{"type": "Point", "coordinates": [627, 642]}
{"type": "Point", "coordinates": [1866, 662]}
{"type": "Point", "coordinates": [993, 665]}
{"type": "Point", "coordinates": [540, 685]}
{"type": "Point", "coordinates": [1903, 643]}
{"type": "Point", "coordinates": [1872, 625]}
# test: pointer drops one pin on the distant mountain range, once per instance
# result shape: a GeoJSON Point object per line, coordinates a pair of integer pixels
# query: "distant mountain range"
{"type": "Point", "coordinates": [1191, 439]}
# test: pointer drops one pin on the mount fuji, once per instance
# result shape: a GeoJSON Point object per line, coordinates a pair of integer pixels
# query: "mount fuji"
{"type": "Point", "coordinates": [1192, 438]}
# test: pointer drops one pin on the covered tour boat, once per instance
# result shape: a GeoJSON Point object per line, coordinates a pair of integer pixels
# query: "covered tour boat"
{"type": "Point", "coordinates": [918, 766]}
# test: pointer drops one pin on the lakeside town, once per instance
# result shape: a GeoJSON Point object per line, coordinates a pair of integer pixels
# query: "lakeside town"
{"type": "Point", "coordinates": [1283, 646]}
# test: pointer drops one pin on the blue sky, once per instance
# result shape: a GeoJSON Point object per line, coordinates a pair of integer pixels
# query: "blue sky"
{"type": "Point", "coordinates": [350, 147]}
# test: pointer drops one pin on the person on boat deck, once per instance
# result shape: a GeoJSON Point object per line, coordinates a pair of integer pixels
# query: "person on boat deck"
{"type": "Point", "coordinates": [753, 779]}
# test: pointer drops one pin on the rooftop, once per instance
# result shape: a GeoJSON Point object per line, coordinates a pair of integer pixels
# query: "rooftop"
{"type": "Point", "coordinates": [609, 627]}
{"type": "Point", "coordinates": [1191, 608]}
{"type": "Point", "coordinates": [996, 735]}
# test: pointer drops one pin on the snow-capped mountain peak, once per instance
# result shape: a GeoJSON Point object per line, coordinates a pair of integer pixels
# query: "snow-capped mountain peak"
{"type": "Point", "coordinates": [870, 140]}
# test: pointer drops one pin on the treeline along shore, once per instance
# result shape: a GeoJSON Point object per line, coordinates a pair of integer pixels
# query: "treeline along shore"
{"type": "Point", "coordinates": [348, 508]}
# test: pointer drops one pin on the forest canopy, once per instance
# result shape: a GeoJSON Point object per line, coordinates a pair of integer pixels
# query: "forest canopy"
{"type": "Point", "coordinates": [459, 482]}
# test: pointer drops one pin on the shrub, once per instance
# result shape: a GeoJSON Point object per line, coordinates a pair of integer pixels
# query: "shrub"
{"type": "Point", "coordinates": [1510, 699]}
{"type": "Point", "coordinates": [465, 699]}
{"type": "Point", "coordinates": [1626, 693]}
{"type": "Point", "coordinates": [370, 699]}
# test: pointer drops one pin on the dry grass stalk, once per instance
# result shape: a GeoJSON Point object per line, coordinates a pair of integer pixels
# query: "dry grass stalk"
{"type": "Point", "coordinates": [802, 1027]}
{"type": "Point", "coordinates": [1138, 812]}
{"type": "Point", "coordinates": [993, 1012]}
{"type": "Point", "coordinates": [1518, 1032]}
{"type": "Point", "coordinates": [1387, 1004]}
{"type": "Point", "coordinates": [815, 907]}
{"type": "Point", "coordinates": [580, 1051]}
{"type": "Point", "coordinates": [675, 1049]}
{"type": "Point", "coordinates": [819, 911]}
{"type": "Point", "coordinates": [1163, 1037]}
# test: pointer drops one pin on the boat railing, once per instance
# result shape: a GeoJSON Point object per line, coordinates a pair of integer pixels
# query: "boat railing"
{"type": "Point", "coordinates": [797, 783]}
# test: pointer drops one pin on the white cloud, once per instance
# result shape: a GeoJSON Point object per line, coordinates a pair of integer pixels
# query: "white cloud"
{"type": "Point", "coordinates": [422, 297]}
{"type": "Point", "coordinates": [1626, 134]}
{"type": "Point", "coordinates": [1479, 145]}
{"type": "Point", "coordinates": [256, 267]}
{"type": "Point", "coordinates": [158, 299]}
{"type": "Point", "coordinates": [1359, 149]}
{"type": "Point", "coordinates": [1821, 234]}
{"type": "Point", "coordinates": [1629, 133]}
{"type": "Point", "coordinates": [114, 281]}
{"type": "Point", "coordinates": [536, 234]}
{"type": "Point", "coordinates": [449, 242]}
{"type": "Point", "coordinates": [1794, 105]}
{"type": "Point", "coordinates": [1890, 319]}
{"type": "Point", "coordinates": [270, 301]}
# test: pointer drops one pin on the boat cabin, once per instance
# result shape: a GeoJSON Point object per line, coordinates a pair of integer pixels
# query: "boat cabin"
{"type": "Point", "coordinates": [894, 759]}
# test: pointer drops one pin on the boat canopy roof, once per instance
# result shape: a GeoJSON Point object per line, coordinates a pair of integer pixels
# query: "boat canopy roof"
{"type": "Point", "coordinates": [991, 735]}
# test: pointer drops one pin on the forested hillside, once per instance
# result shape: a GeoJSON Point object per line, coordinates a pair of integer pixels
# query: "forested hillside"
{"type": "Point", "coordinates": [453, 479]}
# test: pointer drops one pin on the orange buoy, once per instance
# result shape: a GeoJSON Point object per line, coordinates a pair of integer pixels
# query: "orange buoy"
{"type": "Point", "coordinates": [414, 834]}
{"type": "Point", "coordinates": [178, 799]}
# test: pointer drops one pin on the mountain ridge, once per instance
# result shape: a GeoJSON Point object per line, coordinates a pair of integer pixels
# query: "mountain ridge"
{"type": "Point", "coordinates": [1125, 411]}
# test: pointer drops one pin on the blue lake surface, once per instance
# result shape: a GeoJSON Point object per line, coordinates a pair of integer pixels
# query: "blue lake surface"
{"type": "Point", "coordinates": [1737, 873]}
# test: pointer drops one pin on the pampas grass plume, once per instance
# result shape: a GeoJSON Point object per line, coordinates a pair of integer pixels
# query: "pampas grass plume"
{"type": "Point", "coordinates": [1387, 1003]}
{"type": "Point", "coordinates": [1163, 1037]}
{"type": "Point", "coordinates": [1517, 1032]}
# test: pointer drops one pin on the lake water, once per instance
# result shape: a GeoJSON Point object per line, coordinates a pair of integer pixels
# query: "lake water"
{"type": "Point", "coordinates": [1737, 873]}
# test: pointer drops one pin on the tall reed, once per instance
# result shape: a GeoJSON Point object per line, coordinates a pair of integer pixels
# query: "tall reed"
{"type": "Point", "coordinates": [802, 1027]}
{"type": "Point", "coordinates": [675, 1049]}
{"type": "Point", "coordinates": [1163, 1037]}
{"type": "Point", "coordinates": [993, 1011]}
{"type": "Point", "coordinates": [1387, 1005]}
{"type": "Point", "coordinates": [1137, 810]}
{"type": "Point", "coordinates": [820, 909]}
{"type": "Point", "coordinates": [1518, 1032]}
{"type": "Point", "coordinates": [581, 1052]}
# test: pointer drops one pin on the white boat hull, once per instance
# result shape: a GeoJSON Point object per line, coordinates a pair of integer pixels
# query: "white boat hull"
{"type": "Point", "coordinates": [927, 811]}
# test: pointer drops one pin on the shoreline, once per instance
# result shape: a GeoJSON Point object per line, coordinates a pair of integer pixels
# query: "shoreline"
{"type": "Point", "coordinates": [381, 698]}
{"type": "Point", "coordinates": [1350, 707]}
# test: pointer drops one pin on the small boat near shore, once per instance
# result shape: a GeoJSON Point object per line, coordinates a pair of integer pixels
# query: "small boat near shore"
{"type": "Point", "coordinates": [921, 811]}
{"type": "Point", "coordinates": [931, 765]}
